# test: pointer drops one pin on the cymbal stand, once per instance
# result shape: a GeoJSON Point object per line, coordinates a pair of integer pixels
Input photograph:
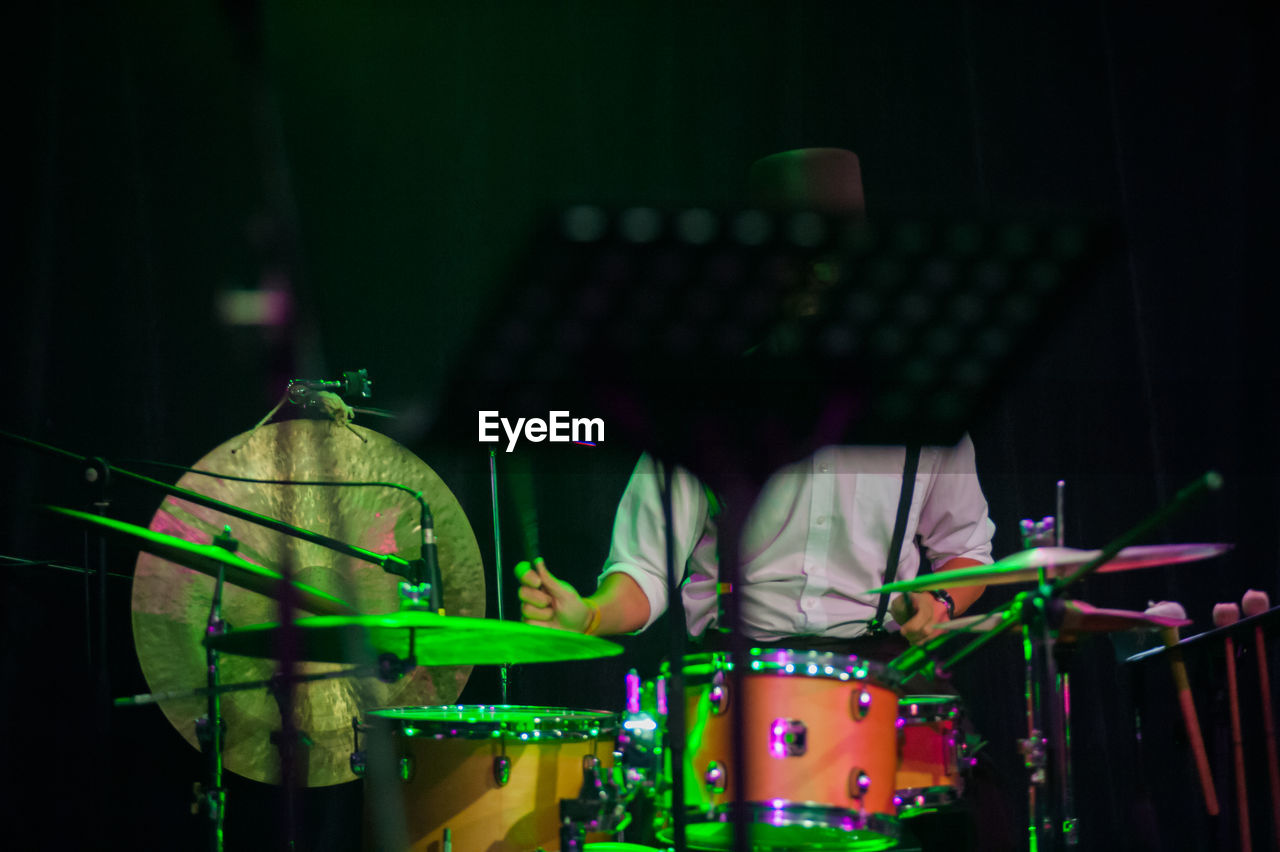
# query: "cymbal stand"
{"type": "Point", "coordinates": [1039, 612]}
{"type": "Point", "coordinates": [1046, 750]}
{"type": "Point", "coordinates": [212, 796]}
{"type": "Point", "coordinates": [1037, 645]}
{"type": "Point", "coordinates": [97, 475]}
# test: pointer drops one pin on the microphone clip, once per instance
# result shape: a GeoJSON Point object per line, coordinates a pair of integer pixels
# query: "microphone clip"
{"type": "Point", "coordinates": [354, 383]}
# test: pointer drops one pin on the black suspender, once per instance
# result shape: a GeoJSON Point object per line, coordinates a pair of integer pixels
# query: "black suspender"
{"type": "Point", "coordinates": [899, 532]}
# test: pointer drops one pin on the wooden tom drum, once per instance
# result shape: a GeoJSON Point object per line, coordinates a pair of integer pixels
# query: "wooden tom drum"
{"type": "Point", "coordinates": [820, 741]}
{"type": "Point", "coordinates": [492, 776]}
{"type": "Point", "coordinates": [929, 772]}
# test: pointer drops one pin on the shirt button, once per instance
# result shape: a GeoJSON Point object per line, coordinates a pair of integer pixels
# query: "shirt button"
{"type": "Point", "coordinates": [822, 520]}
{"type": "Point", "coordinates": [826, 468]}
{"type": "Point", "coordinates": [808, 603]}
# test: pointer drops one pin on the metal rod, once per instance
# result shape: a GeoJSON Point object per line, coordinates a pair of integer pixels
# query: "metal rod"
{"type": "Point", "coordinates": [497, 557]}
{"type": "Point", "coordinates": [215, 797]}
{"type": "Point", "coordinates": [1060, 525]}
{"type": "Point", "coordinates": [1210, 481]}
{"type": "Point", "coordinates": [384, 561]}
{"type": "Point", "coordinates": [223, 688]}
{"type": "Point", "coordinates": [676, 708]}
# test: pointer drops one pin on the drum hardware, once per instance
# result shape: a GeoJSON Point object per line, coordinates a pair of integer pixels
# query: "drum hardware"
{"type": "Point", "coordinates": [1040, 614]}
{"type": "Point", "coordinates": [599, 807]}
{"type": "Point", "coordinates": [861, 705]}
{"type": "Point", "coordinates": [213, 797]}
{"type": "Point", "coordinates": [787, 738]}
{"type": "Point", "coordinates": [859, 783]}
{"type": "Point", "coordinates": [716, 777]}
{"type": "Point", "coordinates": [638, 753]}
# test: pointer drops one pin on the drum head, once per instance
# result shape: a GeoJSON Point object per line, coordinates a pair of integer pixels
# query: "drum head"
{"type": "Point", "coordinates": [700, 668]}
{"type": "Point", "coordinates": [483, 721]}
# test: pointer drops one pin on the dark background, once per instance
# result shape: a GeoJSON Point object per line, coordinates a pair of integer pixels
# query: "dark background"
{"type": "Point", "coordinates": [388, 162]}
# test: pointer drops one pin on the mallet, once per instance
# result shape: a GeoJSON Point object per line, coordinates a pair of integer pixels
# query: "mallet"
{"type": "Point", "coordinates": [1224, 615]}
{"type": "Point", "coordinates": [1169, 635]}
{"type": "Point", "coordinates": [1256, 603]}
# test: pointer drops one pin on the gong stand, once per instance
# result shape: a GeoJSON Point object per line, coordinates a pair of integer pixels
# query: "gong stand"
{"type": "Point", "coordinates": [1039, 613]}
{"type": "Point", "coordinates": [497, 558]}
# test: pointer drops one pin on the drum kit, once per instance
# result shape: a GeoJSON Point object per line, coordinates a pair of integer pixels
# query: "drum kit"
{"type": "Point", "coordinates": [305, 660]}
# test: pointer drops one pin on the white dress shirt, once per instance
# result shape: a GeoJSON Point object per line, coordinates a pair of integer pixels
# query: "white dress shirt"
{"type": "Point", "coordinates": [816, 540]}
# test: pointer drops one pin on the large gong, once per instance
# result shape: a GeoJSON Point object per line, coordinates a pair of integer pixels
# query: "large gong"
{"type": "Point", "coordinates": [171, 603]}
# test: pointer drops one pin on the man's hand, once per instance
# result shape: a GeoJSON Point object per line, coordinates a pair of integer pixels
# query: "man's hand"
{"type": "Point", "coordinates": [919, 614]}
{"type": "Point", "coordinates": [549, 602]}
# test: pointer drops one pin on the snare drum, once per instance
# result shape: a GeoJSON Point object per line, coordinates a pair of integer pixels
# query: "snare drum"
{"type": "Point", "coordinates": [820, 736]}
{"type": "Point", "coordinates": [929, 773]}
{"type": "Point", "coordinates": [492, 776]}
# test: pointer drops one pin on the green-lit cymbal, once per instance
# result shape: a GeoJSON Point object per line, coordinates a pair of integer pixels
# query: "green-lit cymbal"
{"type": "Point", "coordinates": [425, 638]}
{"type": "Point", "coordinates": [208, 559]}
{"type": "Point", "coordinates": [1055, 562]}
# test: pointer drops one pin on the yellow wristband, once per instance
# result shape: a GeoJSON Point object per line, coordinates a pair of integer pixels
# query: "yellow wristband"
{"type": "Point", "coordinates": [593, 619]}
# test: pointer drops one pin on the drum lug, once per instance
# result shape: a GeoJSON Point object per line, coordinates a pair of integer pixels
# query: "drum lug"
{"type": "Point", "coordinates": [718, 695]}
{"type": "Point", "coordinates": [787, 738]}
{"type": "Point", "coordinates": [860, 704]}
{"type": "Point", "coordinates": [859, 783]}
{"type": "Point", "coordinates": [406, 768]}
{"type": "Point", "coordinates": [358, 764]}
{"type": "Point", "coordinates": [501, 770]}
{"type": "Point", "coordinates": [716, 778]}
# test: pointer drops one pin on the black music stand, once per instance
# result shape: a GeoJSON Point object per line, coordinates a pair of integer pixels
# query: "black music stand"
{"type": "Point", "coordinates": [706, 339]}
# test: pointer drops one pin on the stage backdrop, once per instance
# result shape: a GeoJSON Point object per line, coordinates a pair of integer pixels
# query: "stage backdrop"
{"type": "Point", "coordinates": [374, 169]}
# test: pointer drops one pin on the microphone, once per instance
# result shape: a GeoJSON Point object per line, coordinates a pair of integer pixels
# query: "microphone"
{"type": "Point", "coordinates": [431, 560]}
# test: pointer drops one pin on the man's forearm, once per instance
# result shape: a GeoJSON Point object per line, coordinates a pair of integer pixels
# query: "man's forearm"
{"type": "Point", "coordinates": [963, 596]}
{"type": "Point", "coordinates": [624, 607]}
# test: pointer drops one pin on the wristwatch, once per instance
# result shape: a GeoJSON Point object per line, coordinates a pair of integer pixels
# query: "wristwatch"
{"type": "Point", "coordinates": [945, 597]}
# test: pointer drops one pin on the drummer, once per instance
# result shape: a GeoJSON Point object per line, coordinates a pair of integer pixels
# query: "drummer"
{"type": "Point", "coordinates": [819, 535]}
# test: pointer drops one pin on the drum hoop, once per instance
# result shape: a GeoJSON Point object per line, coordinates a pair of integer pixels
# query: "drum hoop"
{"type": "Point", "coordinates": [783, 662]}
{"type": "Point", "coordinates": [925, 798]}
{"type": "Point", "coordinates": [929, 708]}
{"type": "Point", "coordinates": [786, 814]}
{"type": "Point", "coordinates": [528, 723]}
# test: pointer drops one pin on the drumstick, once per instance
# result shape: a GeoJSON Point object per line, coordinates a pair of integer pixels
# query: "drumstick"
{"type": "Point", "coordinates": [1256, 603]}
{"type": "Point", "coordinates": [1225, 614]}
{"type": "Point", "coordinates": [520, 489]}
{"type": "Point", "coordinates": [1189, 718]}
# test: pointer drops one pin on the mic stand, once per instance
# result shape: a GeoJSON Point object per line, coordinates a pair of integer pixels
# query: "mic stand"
{"type": "Point", "coordinates": [497, 557]}
{"type": "Point", "coordinates": [97, 474]}
{"type": "Point", "coordinates": [388, 562]}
